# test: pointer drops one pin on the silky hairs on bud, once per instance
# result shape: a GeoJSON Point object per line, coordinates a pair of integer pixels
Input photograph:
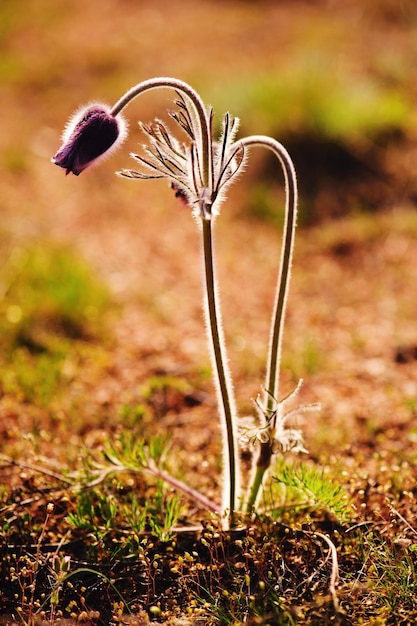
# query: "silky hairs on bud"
{"type": "Point", "coordinates": [90, 134]}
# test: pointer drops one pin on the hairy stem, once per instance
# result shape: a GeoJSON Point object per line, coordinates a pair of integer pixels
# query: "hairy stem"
{"type": "Point", "coordinates": [277, 324]}
{"type": "Point", "coordinates": [151, 468]}
{"type": "Point", "coordinates": [223, 378]}
{"type": "Point", "coordinates": [222, 375]}
{"type": "Point", "coordinates": [181, 486]}
{"type": "Point", "coordinates": [202, 116]}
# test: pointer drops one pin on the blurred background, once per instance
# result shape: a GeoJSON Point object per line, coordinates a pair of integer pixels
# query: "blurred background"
{"type": "Point", "coordinates": [336, 82]}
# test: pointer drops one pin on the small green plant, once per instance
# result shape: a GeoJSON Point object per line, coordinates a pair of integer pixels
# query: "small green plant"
{"type": "Point", "coordinates": [200, 168]}
{"type": "Point", "coordinates": [298, 486]}
{"type": "Point", "coordinates": [100, 510]}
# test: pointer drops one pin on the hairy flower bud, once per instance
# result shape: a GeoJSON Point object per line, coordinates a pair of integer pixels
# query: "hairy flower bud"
{"type": "Point", "coordinates": [91, 133]}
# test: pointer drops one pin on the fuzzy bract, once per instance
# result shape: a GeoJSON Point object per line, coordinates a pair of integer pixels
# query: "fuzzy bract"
{"type": "Point", "coordinates": [181, 162]}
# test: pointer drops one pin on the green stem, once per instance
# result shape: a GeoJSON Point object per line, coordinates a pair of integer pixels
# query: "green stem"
{"type": "Point", "coordinates": [223, 376]}
{"type": "Point", "coordinates": [277, 324]}
{"type": "Point", "coordinates": [179, 85]}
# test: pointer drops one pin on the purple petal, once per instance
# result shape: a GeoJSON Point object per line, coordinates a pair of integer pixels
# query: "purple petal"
{"type": "Point", "coordinates": [89, 135]}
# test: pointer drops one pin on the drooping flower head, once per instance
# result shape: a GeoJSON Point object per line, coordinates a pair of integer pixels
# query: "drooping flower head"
{"type": "Point", "coordinates": [90, 134]}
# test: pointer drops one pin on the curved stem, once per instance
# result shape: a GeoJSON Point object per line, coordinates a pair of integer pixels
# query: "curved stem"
{"type": "Point", "coordinates": [181, 486]}
{"type": "Point", "coordinates": [277, 324]}
{"type": "Point", "coordinates": [224, 389]}
{"type": "Point", "coordinates": [179, 85]}
{"type": "Point", "coordinates": [222, 375]}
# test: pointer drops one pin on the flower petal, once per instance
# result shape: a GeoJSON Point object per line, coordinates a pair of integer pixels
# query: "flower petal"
{"type": "Point", "coordinates": [90, 134]}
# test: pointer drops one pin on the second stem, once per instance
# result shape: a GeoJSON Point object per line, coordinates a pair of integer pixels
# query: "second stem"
{"type": "Point", "coordinates": [224, 387]}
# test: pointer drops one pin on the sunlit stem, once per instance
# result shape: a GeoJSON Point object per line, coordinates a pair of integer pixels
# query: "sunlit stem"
{"type": "Point", "coordinates": [222, 375]}
{"type": "Point", "coordinates": [223, 378]}
{"type": "Point", "coordinates": [277, 325]}
{"type": "Point", "coordinates": [202, 116]}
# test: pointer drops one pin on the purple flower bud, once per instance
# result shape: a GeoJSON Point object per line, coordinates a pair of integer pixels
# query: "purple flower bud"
{"type": "Point", "coordinates": [91, 133]}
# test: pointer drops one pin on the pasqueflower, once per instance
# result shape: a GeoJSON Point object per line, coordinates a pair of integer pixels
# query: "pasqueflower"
{"type": "Point", "coordinates": [91, 133]}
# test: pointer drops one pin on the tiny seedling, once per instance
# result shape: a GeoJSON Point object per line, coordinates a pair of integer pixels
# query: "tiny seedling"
{"type": "Point", "coordinates": [296, 487]}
